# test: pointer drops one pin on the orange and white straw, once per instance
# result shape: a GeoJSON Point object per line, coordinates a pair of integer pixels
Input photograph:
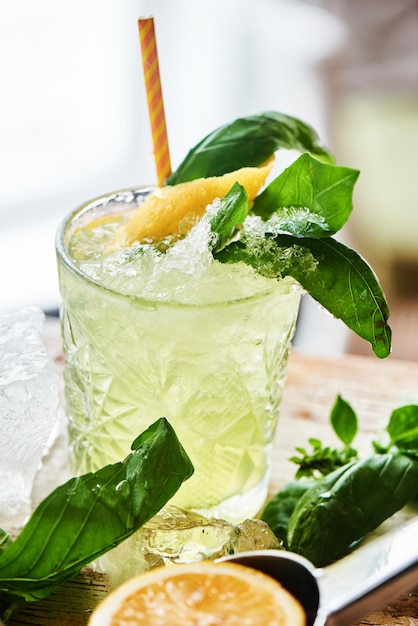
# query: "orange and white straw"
{"type": "Point", "coordinates": [154, 98]}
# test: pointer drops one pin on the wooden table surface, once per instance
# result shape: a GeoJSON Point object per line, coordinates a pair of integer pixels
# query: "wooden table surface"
{"type": "Point", "coordinates": [373, 387]}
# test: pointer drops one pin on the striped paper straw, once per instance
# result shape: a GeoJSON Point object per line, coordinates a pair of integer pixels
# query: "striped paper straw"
{"type": "Point", "coordinates": [154, 98]}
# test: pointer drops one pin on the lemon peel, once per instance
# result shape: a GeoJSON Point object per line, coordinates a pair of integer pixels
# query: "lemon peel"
{"type": "Point", "coordinates": [174, 210]}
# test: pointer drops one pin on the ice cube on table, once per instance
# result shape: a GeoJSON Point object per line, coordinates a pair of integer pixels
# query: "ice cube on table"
{"type": "Point", "coordinates": [175, 536]}
{"type": "Point", "coordinates": [28, 410]}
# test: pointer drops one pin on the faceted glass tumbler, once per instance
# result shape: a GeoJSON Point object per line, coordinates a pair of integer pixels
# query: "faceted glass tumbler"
{"type": "Point", "coordinates": [215, 371]}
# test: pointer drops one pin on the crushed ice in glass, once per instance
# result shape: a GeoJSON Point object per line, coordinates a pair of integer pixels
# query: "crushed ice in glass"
{"type": "Point", "coordinates": [178, 536]}
{"type": "Point", "coordinates": [28, 410]}
{"type": "Point", "coordinates": [185, 272]}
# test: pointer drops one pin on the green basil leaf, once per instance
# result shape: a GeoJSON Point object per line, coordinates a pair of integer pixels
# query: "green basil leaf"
{"type": "Point", "coordinates": [232, 212]}
{"type": "Point", "coordinates": [248, 141]}
{"type": "Point", "coordinates": [91, 514]}
{"type": "Point", "coordinates": [336, 513]}
{"type": "Point", "coordinates": [403, 427]}
{"type": "Point", "coordinates": [344, 421]}
{"type": "Point", "coordinates": [338, 278]}
{"type": "Point", "coordinates": [310, 198]}
{"type": "Point", "coordinates": [278, 510]}
{"type": "Point", "coordinates": [345, 285]}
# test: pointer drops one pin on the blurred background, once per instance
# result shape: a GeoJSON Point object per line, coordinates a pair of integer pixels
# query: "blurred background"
{"type": "Point", "coordinates": [74, 122]}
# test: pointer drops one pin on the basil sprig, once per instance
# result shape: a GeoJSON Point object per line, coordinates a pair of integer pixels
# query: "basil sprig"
{"type": "Point", "coordinates": [89, 515]}
{"type": "Point", "coordinates": [323, 517]}
{"type": "Point", "coordinates": [308, 203]}
{"type": "Point", "coordinates": [248, 141]}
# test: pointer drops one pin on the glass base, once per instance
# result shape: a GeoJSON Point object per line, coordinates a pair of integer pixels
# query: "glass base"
{"type": "Point", "coordinates": [241, 506]}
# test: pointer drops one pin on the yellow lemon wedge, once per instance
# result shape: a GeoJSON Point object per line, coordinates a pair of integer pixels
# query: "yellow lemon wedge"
{"type": "Point", "coordinates": [173, 210]}
{"type": "Point", "coordinates": [224, 594]}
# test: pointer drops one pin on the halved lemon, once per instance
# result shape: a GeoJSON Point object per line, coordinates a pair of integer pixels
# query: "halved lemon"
{"type": "Point", "coordinates": [174, 210]}
{"type": "Point", "coordinates": [200, 594]}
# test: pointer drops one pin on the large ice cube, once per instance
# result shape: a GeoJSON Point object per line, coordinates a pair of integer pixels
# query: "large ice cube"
{"type": "Point", "coordinates": [178, 536]}
{"type": "Point", "coordinates": [28, 409]}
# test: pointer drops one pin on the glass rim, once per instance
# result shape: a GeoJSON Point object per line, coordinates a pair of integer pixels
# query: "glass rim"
{"type": "Point", "coordinates": [127, 195]}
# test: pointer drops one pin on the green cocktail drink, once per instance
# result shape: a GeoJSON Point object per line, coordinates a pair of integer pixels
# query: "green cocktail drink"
{"type": "Point", "coordinates": [185, 307]}
{"type": "Point", "coordinates": [179, 335]}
